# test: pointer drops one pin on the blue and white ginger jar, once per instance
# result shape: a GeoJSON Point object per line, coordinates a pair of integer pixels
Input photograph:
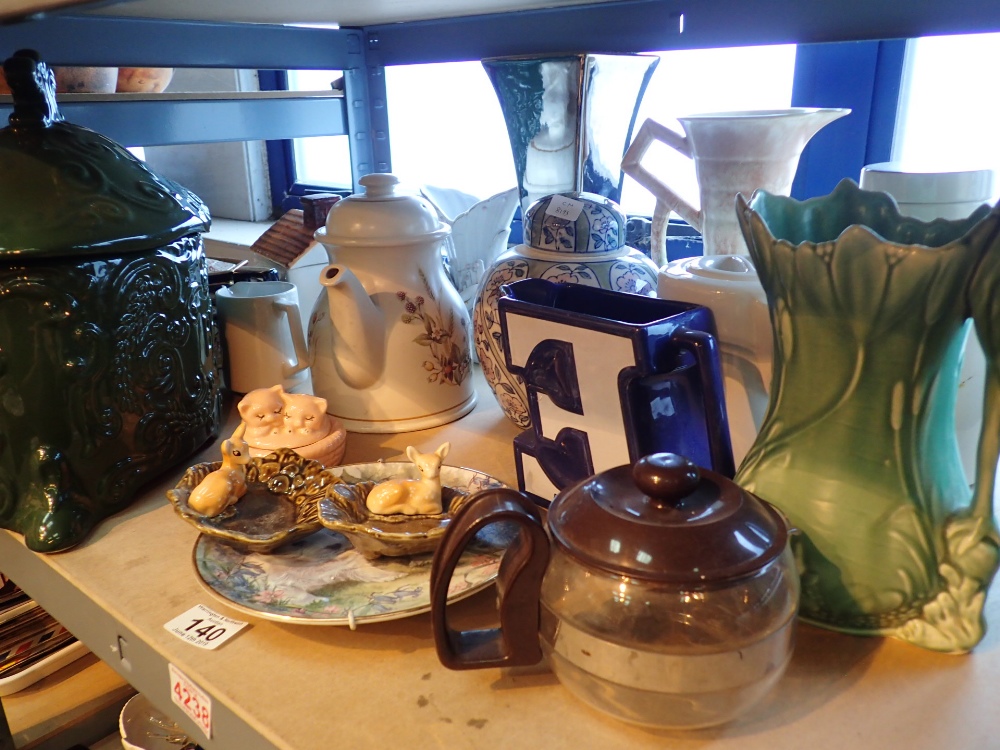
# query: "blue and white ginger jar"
{"type": "Point", "coordinates": [572, 237]}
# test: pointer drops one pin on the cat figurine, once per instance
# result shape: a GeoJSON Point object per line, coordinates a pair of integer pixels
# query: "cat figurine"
{"type": "Point", "coordinates": [276, 419]}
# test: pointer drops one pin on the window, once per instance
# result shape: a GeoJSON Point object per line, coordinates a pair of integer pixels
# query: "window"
{"type": "Point", "coordinates": [446, 127]}
{"type": "Point", "coordinates": [459, 140]}
{"type": "Point", "coordinates": [325, 160]}
{"type": "Point", "coordinates": [463, 142]}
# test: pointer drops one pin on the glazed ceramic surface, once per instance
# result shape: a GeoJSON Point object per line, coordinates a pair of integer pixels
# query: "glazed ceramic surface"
{"type": "Point", "coordinates": [733, 152]}
{"type": "Point", "coordinates": [478, 236]}
{"type": "Point", "coordinates": [551, 107]}
{"type": "Point", "coordinates": [611, 377]}
{"type": "Point", "coordinates": [729, 287]}
{"type": "Point", "coordinates": [143, 80]}
{"type": "Point", "coordinates": [143, 727]}
{"type": "Point", "coordinates": [280, 505]}
{"type": "Point", "coordinates": [344, 508]}
{"type": "Point", "coordinates": [858, 444]}
{"type": "Point", "coordinates": [389, 338]}
{"type": "Point", "coordinates": [323, 580]}
{"type": "Point", "coordinates": [110, 360]}
{"type": "Point", "coordinates": [224, 486]}
{"type": "Point", "coordinates": [929, 195]}
{"type": "Point", "coordinates": [573, 237]}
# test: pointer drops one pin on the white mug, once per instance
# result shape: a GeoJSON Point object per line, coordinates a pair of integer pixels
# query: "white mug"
{"type": "Point", "coordinates": [262, 330]}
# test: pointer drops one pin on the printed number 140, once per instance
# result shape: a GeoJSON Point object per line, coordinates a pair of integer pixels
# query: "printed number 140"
{"type": "Point", "coordinates": [208, 632]}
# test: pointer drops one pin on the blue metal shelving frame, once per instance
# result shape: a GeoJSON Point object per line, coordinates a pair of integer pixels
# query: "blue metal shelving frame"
{"type": "Point", "coordinates": [161, 120]}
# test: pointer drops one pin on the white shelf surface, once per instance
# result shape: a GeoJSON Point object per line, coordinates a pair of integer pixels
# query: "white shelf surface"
{"type": "Point", "coordinates": [293, 687]}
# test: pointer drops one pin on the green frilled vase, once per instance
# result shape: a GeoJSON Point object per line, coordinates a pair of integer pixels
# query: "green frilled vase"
{"type": "Point", "coordinates": [870, 312]}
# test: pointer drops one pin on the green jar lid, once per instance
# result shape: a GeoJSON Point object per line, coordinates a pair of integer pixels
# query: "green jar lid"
{"type": "Point", "coordinates": [65, 189]}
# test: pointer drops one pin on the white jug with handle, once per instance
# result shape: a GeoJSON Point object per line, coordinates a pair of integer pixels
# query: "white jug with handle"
{"type": "Point", "coordinates": [733, 152]}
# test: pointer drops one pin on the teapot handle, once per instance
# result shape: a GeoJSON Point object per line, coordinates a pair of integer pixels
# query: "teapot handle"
{"type": "Point", "coordinates": [705, 349]}
{"type": "Point", "coordinates": [519, 582]}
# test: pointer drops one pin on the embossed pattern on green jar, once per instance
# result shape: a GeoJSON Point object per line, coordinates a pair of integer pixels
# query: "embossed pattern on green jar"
{"type": "Point", "coordinates": [858, 446]}
{"type": "Point", "coordinates": [108, 376]}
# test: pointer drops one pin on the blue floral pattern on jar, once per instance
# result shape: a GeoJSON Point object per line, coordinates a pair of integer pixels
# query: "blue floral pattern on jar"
{"type": "Point", "coordinates": [598, 228]}
{"type": "Point", "coordinates": [589, 250]}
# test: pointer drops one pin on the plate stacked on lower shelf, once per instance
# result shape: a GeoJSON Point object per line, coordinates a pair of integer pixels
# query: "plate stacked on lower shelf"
{"type": "Point", "coordinates": [33, 644]}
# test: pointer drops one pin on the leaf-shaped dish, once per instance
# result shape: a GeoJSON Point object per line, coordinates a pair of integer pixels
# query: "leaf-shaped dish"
{"type": "Point", "coordinates": [343, 508]}
{"type": "Point", "coordinates": [280, 506]}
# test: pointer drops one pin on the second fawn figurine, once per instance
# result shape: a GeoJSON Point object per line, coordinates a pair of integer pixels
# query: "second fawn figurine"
{"type": "Point", "coordinates": [412, 496]}
{"type": "Point", "coordinates": [227, 484]}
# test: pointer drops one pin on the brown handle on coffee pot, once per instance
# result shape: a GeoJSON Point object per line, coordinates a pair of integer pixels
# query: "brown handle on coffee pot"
{"type": "Point", "coordinates": [519, 582]}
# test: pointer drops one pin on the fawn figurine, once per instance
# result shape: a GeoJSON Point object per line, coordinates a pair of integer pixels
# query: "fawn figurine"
{"type": "Point", "coordinates": [227, 484]}
{"type": "Point", "coordinates": [412, 496]}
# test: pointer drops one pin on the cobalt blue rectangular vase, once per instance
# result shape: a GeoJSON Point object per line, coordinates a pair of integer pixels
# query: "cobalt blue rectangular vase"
{"type": "Point", "coordinates": [610, 377]}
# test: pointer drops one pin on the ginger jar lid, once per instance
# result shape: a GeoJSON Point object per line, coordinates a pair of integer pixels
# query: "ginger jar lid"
{"type": "Point", "coordinates": [575, 222]}
{"type": "Point", "coordinates": [382, 215]}
{"type": "Point", "coordinates": [666, 520]}
{"type": "Point", "coordinates": [68, 190]}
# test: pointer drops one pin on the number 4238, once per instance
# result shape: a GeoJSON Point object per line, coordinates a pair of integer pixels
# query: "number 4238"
{"type": "Point", "coordinates": [191, 699]}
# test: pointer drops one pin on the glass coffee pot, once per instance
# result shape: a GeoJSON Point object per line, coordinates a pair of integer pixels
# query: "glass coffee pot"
{"type": "Point", "coordinates": [663, 594]}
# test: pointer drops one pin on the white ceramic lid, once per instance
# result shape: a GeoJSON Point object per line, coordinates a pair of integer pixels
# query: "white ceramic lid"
{"type": "Point", "coordinates": [381, 215]}
{"type": "Point", "coordinates": [913, 185]}
{"type": "Point", "coordinates": [713, 270]}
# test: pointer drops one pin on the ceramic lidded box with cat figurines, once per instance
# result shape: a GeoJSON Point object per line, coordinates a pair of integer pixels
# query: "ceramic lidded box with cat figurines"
{"type": "Point", "coordinates": [109, 360]}
{"type": "Point", "coordinates": [275, 419]}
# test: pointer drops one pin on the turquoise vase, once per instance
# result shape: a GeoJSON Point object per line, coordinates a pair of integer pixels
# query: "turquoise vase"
{"type": "Point", "coordinates": [870, 312]}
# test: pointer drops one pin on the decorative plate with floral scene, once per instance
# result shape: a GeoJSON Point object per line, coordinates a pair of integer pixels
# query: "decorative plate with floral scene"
{"type": "Point", "coordinates": [323, 580]}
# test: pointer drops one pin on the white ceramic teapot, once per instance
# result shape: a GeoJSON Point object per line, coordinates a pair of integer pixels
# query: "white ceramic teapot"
{"type": "Point", "coordinates": [728, 285]}
{"type": "Point", "coordinates": [389, 340]}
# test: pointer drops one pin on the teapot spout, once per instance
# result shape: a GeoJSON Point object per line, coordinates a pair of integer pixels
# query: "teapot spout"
{"type": "Point", "coordinates": [358, 328]}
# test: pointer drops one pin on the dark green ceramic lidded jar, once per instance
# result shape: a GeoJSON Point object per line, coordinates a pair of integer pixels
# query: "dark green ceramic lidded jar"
{"type": "Point", "coordinates": [109, 363]}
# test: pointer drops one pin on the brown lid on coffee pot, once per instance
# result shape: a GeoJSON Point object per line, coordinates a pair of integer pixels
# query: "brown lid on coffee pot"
{"type": "Point", "coordinates": [667, 520]}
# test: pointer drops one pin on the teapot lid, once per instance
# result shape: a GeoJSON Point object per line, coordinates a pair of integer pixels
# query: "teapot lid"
{"type": "Point", "coordinates": [66, 189]}
{"type": "Point", "coordinates": [381, 215]}
{"type": "Point", "coordinates": [667, 520]}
